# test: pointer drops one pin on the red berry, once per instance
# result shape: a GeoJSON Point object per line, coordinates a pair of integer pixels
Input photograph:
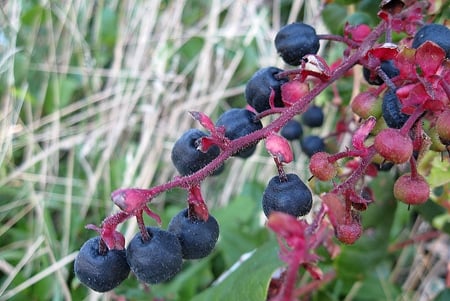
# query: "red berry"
{"type": "Point", "coordinates": [411, 190]}
{"type": "Point", "coordinates": [321, 167]}
{"type": "Point", "coordinates": [443, 127]}
{"type": "Point", "coordinates": [393, 146]}
{"type": "Point", "coordinates": [349, 233]}
{"type": "Point", "coordinates": [366, 104]}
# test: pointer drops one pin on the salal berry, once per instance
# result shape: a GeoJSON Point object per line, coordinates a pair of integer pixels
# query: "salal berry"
{"type": "Point", "coordinates": [412, 190]}
{"type": "Point", "coordinates": [185, 156]}
{"type": "Point", "coordinates": [349, 233]}
{"type": "Point", "coordinates": [157, 259]}
{"type": "Point", "coordinates": [239, 123]}
{"type": "Point", "coordinates": [374, 79]}
{"type": "Point", "coordinates": [321, 167]}
{"type": "Point", "coordinates": [391, 110]}
{"type": "Point", "coordinates": [260, 86]}
{"type": "Point", "coordinates": [393, 146]}
{"type": "Point", "coordinates": [100, 271]}
{"type": "Point", "coordinates": [313, 117]}
{"type": "Point", "coordinates": [197, 237]}
{"type": "Point", "coordinates": [312, 144]}
{"type": "Point", "coordinates": [288, 195]}
{"type": "Point", "coordinates": [443, 127]}
{"type": "Point", "coordinates": [292, 130]}
{"type": "Point", "coordinates": [294, 41]}
{"type": "Point", "coordinates": [436, 33]}
{"type": "Point", "coordinates": [366, 104]}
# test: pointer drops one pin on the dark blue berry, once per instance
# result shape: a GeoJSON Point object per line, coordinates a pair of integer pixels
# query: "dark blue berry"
{"type": "Point", "coordinates": [312, 144]}
{"type": "Point", "coordinates": [239, 123]}
{"type": "Point", "coordinates": [313, 117]}
{"type": "Point", "coordinates": [436, 33]}
{"type": "Point", "coordinates": [259, 87]}
{"type": "Point", "coordinates": [292, 130]}
{"type": "Point", "coordinates": [156, 260]}
{"type": "Point", "coordinates": [288, 195]}
{"type": "Point", "coordinates": [387, 66]}
{"type": "Point", "coordinates": [294, 41]}
{"type": "Point", "coordinates": [185, 156]}
{"type": "Point", "coordinates": [197, 237]}
{"type": "Point", "coordinates": [100, 271]}
{"type": "Point", "coordinates": [391, 110]}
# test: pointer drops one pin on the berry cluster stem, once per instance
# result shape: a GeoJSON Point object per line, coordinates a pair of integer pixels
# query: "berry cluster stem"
{"type": "Point", "coordinates": [275, 126]}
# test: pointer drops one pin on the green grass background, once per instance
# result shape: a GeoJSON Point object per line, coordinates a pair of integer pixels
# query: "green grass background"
{"type": "Point", "coordinates": [93, 96]}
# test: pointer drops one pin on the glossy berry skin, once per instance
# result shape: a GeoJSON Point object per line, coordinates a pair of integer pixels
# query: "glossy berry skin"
{"type": "Point", "coordinates": [157, 260]}
{"type": "Point", "coordinates": [197, 237]}
{"type": "Point", "coordinates": [239, 123]}
{"type": "Point", "coordinates": [387, 66]}
{"type": "Point", "coordinates": [292, 196]}
{"type": "Point", "coordinates": [100, 272]}
{"type": "Point", "coordinates": [391, 110]}
{"type": "Point", "coordinates": [185, 156]}
{"type": "Point", "coordinates": [312, 144]}
{"type": "Point", "coordinates": [294, 41]}
{"type": "Point", "coordinates": [292, 130]}
{"type": "Point", "coordinates": [313, 117]}
{"type": "Point", "coordinates": [436, 33]}
{"type": "Point", "coordinates": [411, 190]}
{"type": "Point", "coordinates": [259, 87]}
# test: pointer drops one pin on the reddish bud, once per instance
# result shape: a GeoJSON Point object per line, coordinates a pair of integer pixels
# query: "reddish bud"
{"type": "Point", "coordinates": [357, 32]}
{"type": "Point", "coordinates": [366, 104]}
{"type": "Point", "coordinates": [279, 148]}
{"type": "Point", "coordinates": [362, 132]}
{"type": "Point", "coordinates": [393, 146]}
{"type": "Point", "coordinates": [443, 127]}
{"type": "Point", "coordinates": [293, 91]}
{"type": "Point", "coordinates": [349, 234]}
{"type": "Point", "coordinates": [204, 120]}
{"type": "Point", "coordinates": [411, 190]}
{"type": "Point", "coordinates": [321, 167]}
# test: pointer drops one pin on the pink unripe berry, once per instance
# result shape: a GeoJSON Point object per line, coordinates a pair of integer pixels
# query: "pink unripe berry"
{"type": "Point", "coordinates": [443, 126]}
{"type": "Point", "coordinates": [412, 190]}
{"type": "Point", "coordinates": [366, 104]}
{"type": "Point", "coordinates": [321, 167]}
{"type": "Point", "coordinates": [349, 233]}
{"type": "Point", "coordinates": [393, 145]}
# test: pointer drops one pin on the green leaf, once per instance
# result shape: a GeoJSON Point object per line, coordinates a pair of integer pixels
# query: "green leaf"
{"type": "Point", "coordinates": [250, 280]}
{"type": "Point", "coordinates": [334, 16]}
{"type": "Point", "coordinates": [439, 174]}
{"type": "Point", "coordinates": [443, 296]}
{"type": "Point", "coordinates": [359, 18]}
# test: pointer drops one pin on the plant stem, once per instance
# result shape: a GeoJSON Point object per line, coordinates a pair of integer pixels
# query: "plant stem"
{"type": "Point", "coordinates": [275, 126]}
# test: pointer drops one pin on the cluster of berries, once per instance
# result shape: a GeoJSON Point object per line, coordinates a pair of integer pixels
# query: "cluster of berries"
{"type": "Point", "coordinates": [155, 255]}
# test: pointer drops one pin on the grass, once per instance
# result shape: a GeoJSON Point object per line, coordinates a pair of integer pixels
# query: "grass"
{"type": "Point", "coordinates": [93, 95]}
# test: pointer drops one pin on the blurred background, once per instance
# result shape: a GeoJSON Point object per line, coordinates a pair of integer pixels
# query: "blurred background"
{"type": "Point", "coordinates": [93, 96]}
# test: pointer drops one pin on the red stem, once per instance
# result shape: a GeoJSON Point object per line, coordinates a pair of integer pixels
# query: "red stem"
{"type": "Point", "coordinates": [275, 126]}
{"type": "Point", "coordinates": [411, 121]}
{"type": "Point", "coordinates": [332, 37]}
{"type": "Point", "coordinates": [312, 286]}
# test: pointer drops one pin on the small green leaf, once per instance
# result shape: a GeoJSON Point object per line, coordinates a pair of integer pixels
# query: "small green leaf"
{"type": "Point", "coordinates": [439, 174]}
{"type": "Point", "coordinates": [250, 280]}
{"type": "Point", "coordinates": [334, 16]}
